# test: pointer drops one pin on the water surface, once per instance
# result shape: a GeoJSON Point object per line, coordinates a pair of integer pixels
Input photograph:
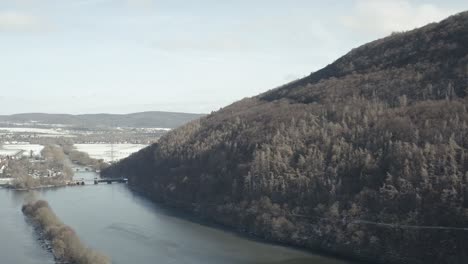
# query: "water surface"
{"type": "Point", "coordinates": [132, 229]}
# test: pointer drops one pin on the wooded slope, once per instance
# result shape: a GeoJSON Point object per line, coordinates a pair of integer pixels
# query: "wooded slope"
{"type": "Point", "coordinates": [367, 157]}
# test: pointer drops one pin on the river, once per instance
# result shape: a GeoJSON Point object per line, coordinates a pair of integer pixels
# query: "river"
{"type": "Point", "coordinates": [131, 229]}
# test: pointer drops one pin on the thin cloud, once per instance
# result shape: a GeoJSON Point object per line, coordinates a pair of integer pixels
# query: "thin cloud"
{"type": "Point", "coordinates": [386, 16]}
{"type": "Point", "coordinates": [91, 2]}
{"type": "Point", "coordinates": [18, 22]}
{"type": "Point", "coordinates": [276, 34]}
{"type": "Point", "coordinates": [141, 3]}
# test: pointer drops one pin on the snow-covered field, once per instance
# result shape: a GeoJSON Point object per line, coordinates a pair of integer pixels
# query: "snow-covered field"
{"type": "Point", "coordinates": [8, 152]}
{"type": "Point", "coordinates": [153, 129]}
{"type": "Point", "coordinates": [5, 181]}
{"type": "Point", "coordinates": [104, 151]}
{"type": "Point", "coordinates": [12, 149]}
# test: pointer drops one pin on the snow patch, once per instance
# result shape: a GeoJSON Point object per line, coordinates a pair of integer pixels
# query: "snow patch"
{"type": "Point", "coordinates": [13, 149]}
{"type": "Point", "coordinates": [104, 151]}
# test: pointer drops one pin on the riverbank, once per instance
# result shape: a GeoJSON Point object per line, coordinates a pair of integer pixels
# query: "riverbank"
{"type": "Point", "coordinates": [37, 186]}
{"type": "Point", "coordinates": [130, 228]}
{"type": "Point", "coordinates": [41, 187]}
{"type": "Point", "coordinates": [54, 168]}
{"type": "Point", "coordinates": [194, 213]}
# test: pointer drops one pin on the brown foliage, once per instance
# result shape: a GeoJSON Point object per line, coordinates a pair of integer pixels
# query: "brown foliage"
{"type": "Point", "coordinates": [65, 243]}
{"type": "Point", "coordinates": [380, 135]}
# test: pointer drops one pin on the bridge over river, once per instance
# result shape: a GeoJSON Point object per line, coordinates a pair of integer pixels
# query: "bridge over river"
{"type": "Point", "coordinates": [110, 180]}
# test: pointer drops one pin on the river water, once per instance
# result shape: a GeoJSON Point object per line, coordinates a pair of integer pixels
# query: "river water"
{"type": "Point", "coordinates": [131, 229]}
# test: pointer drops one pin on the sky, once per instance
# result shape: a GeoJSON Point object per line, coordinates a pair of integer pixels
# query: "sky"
{"type": "Point", "coordinates": [123, 56]}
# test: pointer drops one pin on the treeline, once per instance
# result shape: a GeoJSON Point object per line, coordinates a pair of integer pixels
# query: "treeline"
{"type": "Point", "coordinates": [66, 246]}
{"type": "Point", "coordinates": [82, 158]}
{"type": "Point", "coordinates": [53, 170]}
{"type": "Point", "coordinates": [74, 155]}
{"type": "Point", "coordinates": [367, 157]}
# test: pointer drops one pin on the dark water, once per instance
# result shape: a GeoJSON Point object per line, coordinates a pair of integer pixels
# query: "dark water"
{"type": "Point", "coordinates": [131, 229]}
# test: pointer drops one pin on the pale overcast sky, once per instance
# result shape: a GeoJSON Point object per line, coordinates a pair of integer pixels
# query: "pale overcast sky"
{"type": "Point", "coordinates": [121, 56]}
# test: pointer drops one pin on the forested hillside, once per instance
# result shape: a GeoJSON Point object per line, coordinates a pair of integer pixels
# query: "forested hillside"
{"type": "Point", "coordinates": [367, 157]}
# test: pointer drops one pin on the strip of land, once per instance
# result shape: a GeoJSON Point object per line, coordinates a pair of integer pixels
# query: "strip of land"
{"type": "Point", "coordinates": [64, 242]}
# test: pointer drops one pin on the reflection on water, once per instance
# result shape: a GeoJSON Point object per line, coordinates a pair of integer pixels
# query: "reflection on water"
{"type": "Point", "coordinates": [17, 239]}
{"type": "Point", "coordinates": [131, 229]}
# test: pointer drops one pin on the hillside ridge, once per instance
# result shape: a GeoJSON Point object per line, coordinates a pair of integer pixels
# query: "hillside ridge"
{"type": "Point", "coordinates": [366, 158]}
{"type": "Point", "coordinates": [357, 60]}
{"type": "Point", "coordinates": [140, 119]}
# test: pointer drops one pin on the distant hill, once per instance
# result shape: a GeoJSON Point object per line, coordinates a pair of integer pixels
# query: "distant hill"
{"type": "Point", "coordinates": [366, 158]}
{"type": "Point", "coordinates": [143, 119]}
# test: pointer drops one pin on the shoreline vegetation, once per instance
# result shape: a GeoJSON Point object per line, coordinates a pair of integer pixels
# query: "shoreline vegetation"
{"type": "Point", "coordinates": [61, 239]}
{"type": "Point", "coordinates": [81, 158]}
{"type": "Point", "coordinates": [54, 169]}
{"type": "Point", "coordinates": [191, 212]}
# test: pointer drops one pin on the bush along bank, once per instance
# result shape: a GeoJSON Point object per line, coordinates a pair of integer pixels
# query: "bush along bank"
{"type": "Point", "coordinates": [64, 242]}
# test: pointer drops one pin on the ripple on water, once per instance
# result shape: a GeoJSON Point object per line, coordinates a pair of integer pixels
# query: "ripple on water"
{"type": "Point", "coordinates": [129, 230]}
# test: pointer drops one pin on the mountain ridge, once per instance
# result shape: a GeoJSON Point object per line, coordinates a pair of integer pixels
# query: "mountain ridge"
{"type": "Point", "coordinates": [355, 61]}
{"type": "Point", "coordinates": [351, 159]}
{"type": "Point", "coordinates": [140, 119]}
